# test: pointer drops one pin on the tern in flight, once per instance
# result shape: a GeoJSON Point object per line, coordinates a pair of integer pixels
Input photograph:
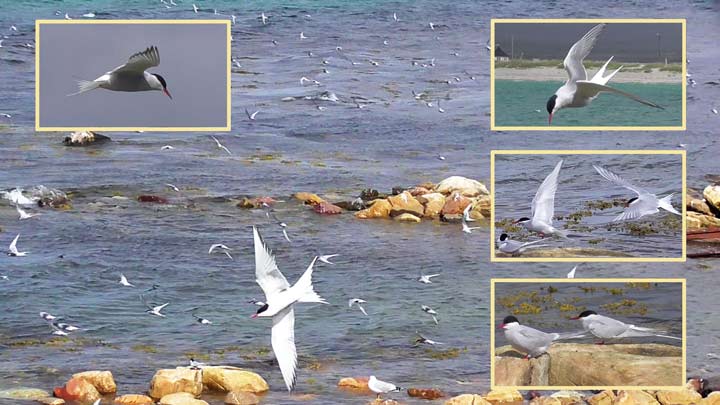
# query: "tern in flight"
{"type": "Point", "coordinates": [131, 76]}
{"type": "Point", "coordinates": [646, 203]}
{"type": "Point", "coordinates": [280, 300]}
{"type": "Point", "coordinates": [543, 207]}
{"type": "Point", "coordinates": [578, 91]}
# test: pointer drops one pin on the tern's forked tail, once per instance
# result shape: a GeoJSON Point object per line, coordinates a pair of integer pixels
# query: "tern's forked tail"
{"type": "Point", "coordinates": [666, 204]}
{"type": "Point", "coordinates": [85, 85]}
{"type": "Point", "coordinates": [305, 289]}
{"type": "Point", "coordinates": [598, 77]}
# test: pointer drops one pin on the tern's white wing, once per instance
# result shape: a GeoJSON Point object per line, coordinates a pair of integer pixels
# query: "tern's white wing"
{"type": "Point", "coordinates": [604, 327]}
{"type": "Point", "coordinates": [588, 89]}
{"type": "Point", "coordinates": [13, 245]}
{"type": "Point", "coordinates": [645, 205]}
{"type": "Point", "coordinates": [141, 61]}
{"type": "Point", "coordinates": [574, 60]}
{"type": "Point", "coordinates": [283, 344]}
{"type": "Point", "coordinates": [534, 337]}
{"type": "Point", "coordinates": [543, 205]}
{"type": "Point", "coordinates": [610, 176]}
{"type": "Point", "coordinates": [267, 274]}
{"type": "Point", "coordinates": [160, 307]}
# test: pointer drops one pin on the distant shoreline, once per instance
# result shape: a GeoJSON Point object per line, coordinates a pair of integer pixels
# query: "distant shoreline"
{"type": "Point", "coordinates": [548, 74]}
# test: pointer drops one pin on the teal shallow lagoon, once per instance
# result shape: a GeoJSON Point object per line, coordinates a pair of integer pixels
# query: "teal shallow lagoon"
{"type": "Point", "coordinates": [517, 104]}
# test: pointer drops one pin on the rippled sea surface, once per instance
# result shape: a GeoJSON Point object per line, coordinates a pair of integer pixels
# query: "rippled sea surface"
{"type": "Point", "coordinates": [294, 146]}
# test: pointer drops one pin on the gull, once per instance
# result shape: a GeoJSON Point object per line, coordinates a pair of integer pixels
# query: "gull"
{"type": "Point", "coordinates": [432, 62]}
{"type": "Point", "coordinates": [224, 249]}
{"type": "Point", "coordinates": [381, 387]}
{"type": "Point", "coordinates": [264, 19]}
{"type": "Point", "coordinates": [543, 206]}
{"type": "Point", "coordinates": [195, 8]}
{"type": "Point", "coordinates": [302, 35]}
{"type": "Point", "coordinates": [3, 277]}
{"type": "Point", "coordinates": [220, 146]}
{"type": "Point", "coordinates": [236, 63]}
{"type": "Point", "coordinates": [251, 117]}
{"type": "Point", "coordinates": [196, 365]}
{"type": "Point", "coordinates": [1, 41]}
{"type": "Point", "coordinates": [466, 211]}
{"type": "Point", "coordinates": [507, 245]}
{"type": "Point", "coordinates": [201, 320]}
{"type": "Point", "coordinates": [429, 104]}
{"type": "Point", "coordinates": [440, 108]}
{"type": "Point", "coordinates": [57, 331]}
{"type": "Point", "coordinates": [66, 327]}
{"type": "Point", "coordinates": [167, 147]}
{"type": "Point", "coordinates": [6, 115]}
{"type": "Point", "coordinates": [425, 279]}
{"type": "Point", "coordinates": [357, 301]}
{"type": "Point", "coordinates": [423, 340]}
{"type": "Point", "coordinates": [234, 18]}
{"type": "Point", "coordinates": [326, 258]}
{"type": "Point", "coordinates": [385, 42]}
{"type": "Point", "coordinates": [172, 187]}
{"type": "Point", "coordinates": [466, 228]}
{"type": "Point", "coordinates": [605, 327]}
{"type": "Point", "coordinates": [430, 311]}
{"type": "Point", "coordinates": [13, 250]}
{"type": "Point", "coordinates": [280, 305]}
{"type": "Point", "coordinates": [47, 317]}
{"type": "Point", "coordinates": [124, 281]}
{"type": "Point", "coordinates": [156, 310]}
{"type": "Point", "coordinates": [440, 157]}
{"type": "Point", "coordinates": [395, 17]}
{"type": "Point", "coordinates": [571, 274]}
{"type": "Point", "coordinates": [282, 225]}
{"type": "Point", "coordinates": [529, 340]}
{"type": "Point", "coordinates": [578, 91]}
{"type": "Point", "coordinates": [89, 15]}
{"type": "Point", "coordinates": [67, 17]}
{"type": "Point", "coordinates": [372, 62]}
{"type": "Point", "coordinates": [645, 203]}
{"type": "Point", "coordinates": [13, 28]}
{"type": "Point", "coordinates": [29, 45]}
{"type": "Point", "coordinates": [417, 96]}
{"type": "Point", "coordinates": [24, 214]}
{"type": "Point", "coordinates": [432, 26]}
{"type": "Point", "coordinates": [274, 42]}
{"type": "Point", "coordinates": [714, 111]}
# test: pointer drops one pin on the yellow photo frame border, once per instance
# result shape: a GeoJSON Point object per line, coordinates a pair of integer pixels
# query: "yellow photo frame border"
{"type": "Point", "coordinates": [228, 114]}
{"type": "Point", "coordinates": [681, 259]}
{"type": "Point", "coordinates": [681, 383]}
{"type": "Point", "coordinates": [682, 21]}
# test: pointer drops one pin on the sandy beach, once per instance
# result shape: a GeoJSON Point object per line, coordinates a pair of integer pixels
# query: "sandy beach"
{"type": "Point", "coordinates": [554, 74]}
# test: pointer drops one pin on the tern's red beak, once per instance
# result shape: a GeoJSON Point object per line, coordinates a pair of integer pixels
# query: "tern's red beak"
{"type": "Point", "coordinates": [575, 318]}
{"type": "Point", "coordinates": [167, 93]}
{"type": "Point", "coordinates": [550, 119]}
{"type": "Point", "coordinates": [253, 316]}
{"type": "Point", "coordinates": [501, 326]}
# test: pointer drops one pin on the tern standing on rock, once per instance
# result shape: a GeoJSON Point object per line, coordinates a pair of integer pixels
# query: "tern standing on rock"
{"type": "Point", "coordinates": [279, 305]}
{"type": "Point", "coordinates": [131, 76]}
{"type": "Point", "coordinates": [529, 340]}
{"type": "Point", "coordinates": [605, 327]}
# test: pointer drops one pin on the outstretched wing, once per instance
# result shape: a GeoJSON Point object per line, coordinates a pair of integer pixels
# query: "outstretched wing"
{"type": "Point", "coordinates": [543, 205]}
{"type": "Point", "coordinates": [141, 61]}
{"type": "Point", "coordinates": [580, 50]}
{"type": "Point", "coordinates": [283, 344]}
{"type": "Point", "coordinates": [589, 89]}
{"type": "Point", "coordinates": [612, 177]}
{"type": "Point", "coordinates": [267, 274]}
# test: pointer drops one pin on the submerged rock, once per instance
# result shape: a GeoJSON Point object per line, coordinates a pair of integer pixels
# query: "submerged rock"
{"type": "Point", "coordinates": [241, 398]}
{"type": "Point", "coordinates": [102, 380]}
{"type": "Point", "coordinates": [257, 202]}
{"type": "Point", "coordinates": [325, 208]}
{"type": "Point", "coordinates": [407, 218]}
{"type": "Point", "coordinates": [133, 399]}
{"type": "Point", "coordinates": [84, 138]}
{"type": "Point", "coordinates": [357, 383]}
{"type": "Point", "coordinates": [181, 398]}
{"type": "Point", "coordinates": [467, 399]}
{"type": "Point", "coordinates": [430, 393]}
{"type": "Point", "coordinates": [50, 197]}
{"type": "Point", "coordinates": [155, 199]}
{"type": "Point", "coordinates": [574, 252]}
{"type": "Point", "coordinates": [227, 379]}
{"type": "Point", "coordinates": [463, 185]}
{"type": "Point", "coordinates": [378, 209]}
{"type": "Point", "coordinates": [171, 381]}
{"type": "Point", "coordinates": [51, 401]}
{"type": "Point", "coordinates": [23, 393]}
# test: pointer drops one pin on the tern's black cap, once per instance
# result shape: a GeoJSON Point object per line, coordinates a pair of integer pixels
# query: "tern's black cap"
{"type": "Point", "coordinates": [503, 237]}
{"type": "Point", "coordinates": [523, 219]}
{"type": "Point", "coordinates": [510, 319]}
{"type": "Point", "coordinates": [551, 103]}
{"type": "Point", "coordinates": [262, 309]}
{"type": "Point", "coordinates": [161, 79]}
{"type": "Point", "coordinates": [586, 313]}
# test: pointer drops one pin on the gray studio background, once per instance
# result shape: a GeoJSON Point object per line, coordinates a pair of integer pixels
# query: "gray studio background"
{"type": "Point", "coordinates": [193, 61]}
{"type": "Point", "coordinates": [628, 42]}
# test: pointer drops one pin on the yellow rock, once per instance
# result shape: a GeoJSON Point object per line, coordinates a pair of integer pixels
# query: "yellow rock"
{"type": "Point", "coordinates": [569, 397]}
{"type": "Point", "coordinates": [134, 399]}
{"type": "Point", "coordinates": [227, 379]}
{"type": "Point", "coordinates": [679, 397]}
{"type": "Point", "coordinates": [712, 195]}
{"type": "Point", "coordinates": [407, 218]}
{"type": "Point", "coordinates": [241, 398]}
{"type": "Point", "coordinates": [504, 396]}
{"type": "Point", "coordinates": [181, 398]}
{"type": "Point", "coordinates": [82, 390]}
{"type": "Point", "coordinates": [102, 380]}
{"type": "Point", "coordinates": [405, 203]}
{"type": "Point", "coordinates": [467, 187]}
{"type": "Point", "coordinates": [712, 399]}
{"type": "Point", "coordinates": [634, 398]}
{"type": "Point", "coordinates": [379, 209]}
{"type": "Point", "coordinates": [698, 205]}
{"type": "Point", "coordinates": [467, 399]}
{"type": "Point", "coordinates": [51, 401]}
{"type": "Point", "coordinates": [308, 198]}
{"type": "Point", "coordinates": [433, 202]}
{"type": "Point", "coordinates": [481, 207]}
{"type": "Point", "coordinates": [545, 401]}
{"type": "Point", "coordinates": [384, 402]}
{"type": "Point", "coordinates": [696, 220]}
{"type": "Point", "coordinates": [603, 398]}
{"type": "Point", "coordinates": [171, 381]}
{"type": "Point", "coordinates": [355, 383]}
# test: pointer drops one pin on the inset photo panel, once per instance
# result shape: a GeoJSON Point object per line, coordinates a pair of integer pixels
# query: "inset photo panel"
{"type": "Point", "coordinates": [588, 205]}
{"type": "Point", "coordinates": [588, 334]}
{"type": "Point", "coordinates": [588, 74]}
{"type": "Point", "coordinates": [132, 75]}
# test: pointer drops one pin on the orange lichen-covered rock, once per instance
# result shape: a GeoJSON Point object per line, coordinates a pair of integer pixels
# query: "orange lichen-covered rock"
{"type": "Point", "coordinates": [423, 393]}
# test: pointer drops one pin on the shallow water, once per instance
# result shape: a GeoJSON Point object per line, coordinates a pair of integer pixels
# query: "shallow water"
{"type": "Point", "coordinates": [336, 152]}
{"type": "Point", "coordinates": [517, 104]}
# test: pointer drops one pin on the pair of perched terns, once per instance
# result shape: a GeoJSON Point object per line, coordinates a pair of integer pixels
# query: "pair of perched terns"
{"type": "Point", "coordinates": [534, 342]}
{"type": "Point", "coordinates": [578, 91]}
{"type": "Point", "coordinates": [131, 76]}
{"type": "Point", "coordinates": [543, 207]}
